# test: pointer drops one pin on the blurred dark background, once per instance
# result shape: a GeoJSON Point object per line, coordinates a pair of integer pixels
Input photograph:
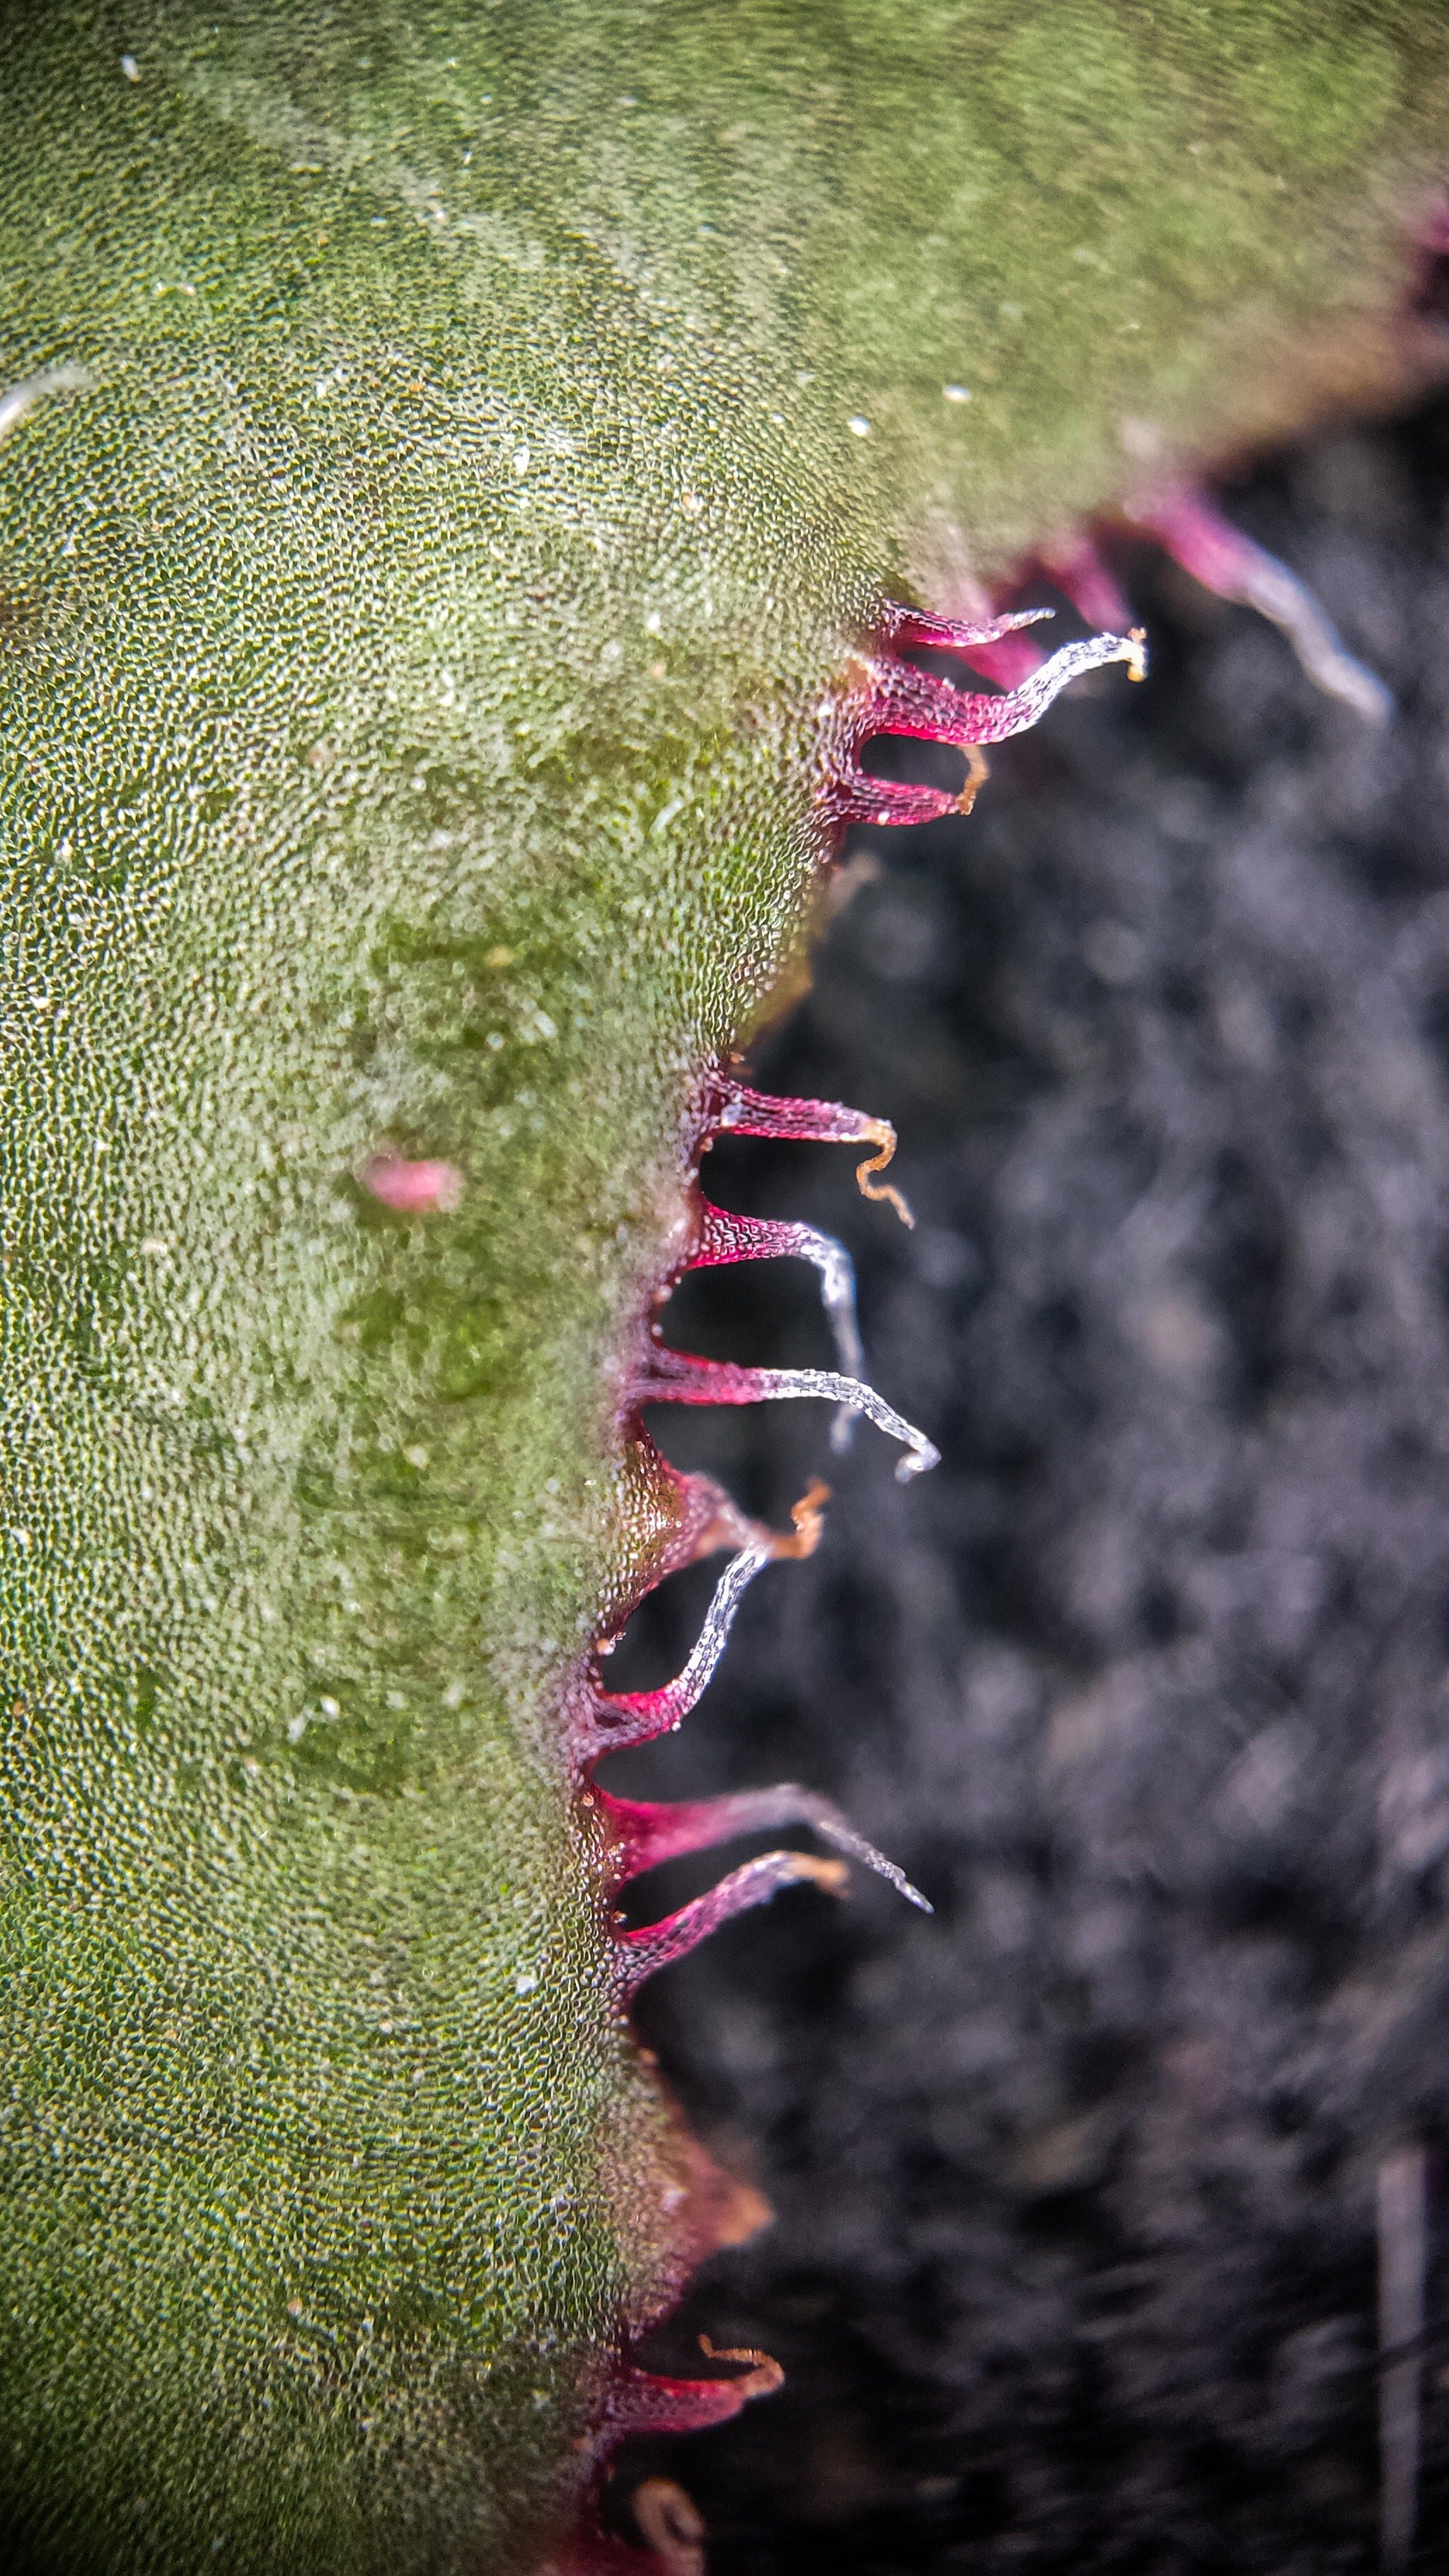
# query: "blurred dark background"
{"type": "Point", "coordinates": [1074, 2262]}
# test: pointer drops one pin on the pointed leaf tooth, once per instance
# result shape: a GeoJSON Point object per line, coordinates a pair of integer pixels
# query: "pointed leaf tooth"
{"type": "Point", "coordinates": [680, 1377]}
{"type": "Point", "coordinates": [918, 628]}
{"type": "Point", "coordinates": [639, 2402]}
{"type": "Point", "coordinates": [910, 702]}
{"type": "Point", "coordinates": [742, 1112]}
{"type": "Point", "coordinates": [611, 1720]}
{"type": "Point", "coordinates": [724, 1237]}
{"type": "Point", "coordinates": [1217, 554]}
{"type": "Point", "coordinates": [1076, 567]}
{"type": "Point", "coordinates": [648, 1833]}
{"type": "Point", "coordinates": [852, 797]}
{"type": "Point", "coordinates": [642, 1954]}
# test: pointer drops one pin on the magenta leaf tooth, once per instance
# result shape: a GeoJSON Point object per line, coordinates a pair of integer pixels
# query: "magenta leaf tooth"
{"type": "Point", "coordinates": [646, 1833]}
{"type": "Point", "coordinates": [1019, 708]}
{"type": "Point", "coordinates": [607, 1722]}
{"type": "Point", "coordinates": [1076, 567]}
{"type": "Point", "coordinates": [679, 1377]}
{"type": "Point", "coordinates": [642, 1954]}
{"type": "Point", "coordinates": [903, 700]}
{"type": "Point", "coordinates": [639, 2402]}
{"type": "Point", "coordinates": [724, 1237]}
{"type": "Point", "coordinates": [853, 797]}
{"type": "Point", "coordinates": [740, 1112]}
{"type": "Point", "coordinates": [710, 1519]}
{"type": "Point", "coordinates": [916, 628]}
{"type": "Point", "coordinates": [598, 1721]}
{"type": "Point", "coordinates": [890, 696]}
{"type": "Point", "coordinates": [1009, 662]}
{"type": "Point", "coordinates": [1194, 532]}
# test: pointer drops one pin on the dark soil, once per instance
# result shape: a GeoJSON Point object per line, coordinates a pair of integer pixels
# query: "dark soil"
{"type": "Point", "coordinates": [1074, 2261]}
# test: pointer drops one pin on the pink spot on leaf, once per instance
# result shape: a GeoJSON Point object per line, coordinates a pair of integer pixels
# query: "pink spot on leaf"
{"type": "Point", "coordinates": [413, 1189]}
